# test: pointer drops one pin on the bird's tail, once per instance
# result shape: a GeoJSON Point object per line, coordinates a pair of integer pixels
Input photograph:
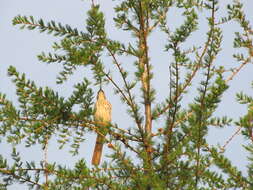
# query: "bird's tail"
{"type": "Point", "coordinates": [98, 150]}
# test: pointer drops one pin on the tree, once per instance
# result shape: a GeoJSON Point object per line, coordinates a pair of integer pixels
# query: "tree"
{"type": "Point", "coordinates": [173, 155]}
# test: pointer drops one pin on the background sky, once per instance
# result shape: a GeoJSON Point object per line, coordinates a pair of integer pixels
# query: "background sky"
{"type": "Point", "coordinates": [21, 47]}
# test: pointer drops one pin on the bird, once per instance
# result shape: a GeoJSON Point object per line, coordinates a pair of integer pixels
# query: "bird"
{"type": "Point", "coordinates": [102, 116]}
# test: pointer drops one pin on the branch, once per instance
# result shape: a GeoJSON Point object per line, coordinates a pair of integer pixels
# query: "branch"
{"type": "Point", "coordinates": [237, 70]}
{"type": "Point", "coordinates": [131, 102]}
{"type": "Point", "coordinates": [51, 26]}
{"type": "Point", "coordinates": [10, 173]}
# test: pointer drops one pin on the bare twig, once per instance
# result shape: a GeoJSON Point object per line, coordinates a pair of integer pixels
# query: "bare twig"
{"type": "Point", "coordinates": [230, 139]}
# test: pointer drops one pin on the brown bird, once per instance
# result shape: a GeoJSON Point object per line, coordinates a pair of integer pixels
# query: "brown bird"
{"type": "Point", "coordinates": [102, 116]}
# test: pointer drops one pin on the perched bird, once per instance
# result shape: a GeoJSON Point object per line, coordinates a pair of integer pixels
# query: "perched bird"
{"type": "Point", "coordinates": [102, 116]}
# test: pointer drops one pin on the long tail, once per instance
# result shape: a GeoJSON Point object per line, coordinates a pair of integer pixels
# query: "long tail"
{"type": "Point", "coordinates": [98, 150]}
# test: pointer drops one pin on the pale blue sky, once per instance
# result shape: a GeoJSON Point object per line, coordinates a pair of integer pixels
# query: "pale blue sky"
{"type": "Point", "coordinates": [20, 48]}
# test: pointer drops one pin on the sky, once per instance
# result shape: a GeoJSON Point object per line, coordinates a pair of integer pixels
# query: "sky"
{"type": "Point", "coordinates": [21, 47]}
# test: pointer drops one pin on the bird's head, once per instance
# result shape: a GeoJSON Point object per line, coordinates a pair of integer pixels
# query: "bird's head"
{"type": "Point", "coordinates": [101, 94]}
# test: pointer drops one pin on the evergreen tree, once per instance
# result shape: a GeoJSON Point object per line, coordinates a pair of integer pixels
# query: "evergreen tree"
{"type": "Point", "coordinates": [145, 156]}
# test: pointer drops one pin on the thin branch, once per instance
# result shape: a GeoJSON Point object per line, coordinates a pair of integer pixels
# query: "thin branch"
{"type": "Point", "coordinates": [131, 101]}
{"type": "Point", "coordinates": [9, 172]}
{"type": "Point", "coordinates": [223, 148]}
{"type": "Point", "coordinates": [161, 16]}
{"type": "Point", "coordinates": [46, 162]}
{"type": "Point", "coordinates": [187, 83]}
{"type": "Point", "coordinates": [237, 70]}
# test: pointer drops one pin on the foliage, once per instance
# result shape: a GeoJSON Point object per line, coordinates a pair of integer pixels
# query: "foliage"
{"type": "Point", "coordinates": [145, 156]}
